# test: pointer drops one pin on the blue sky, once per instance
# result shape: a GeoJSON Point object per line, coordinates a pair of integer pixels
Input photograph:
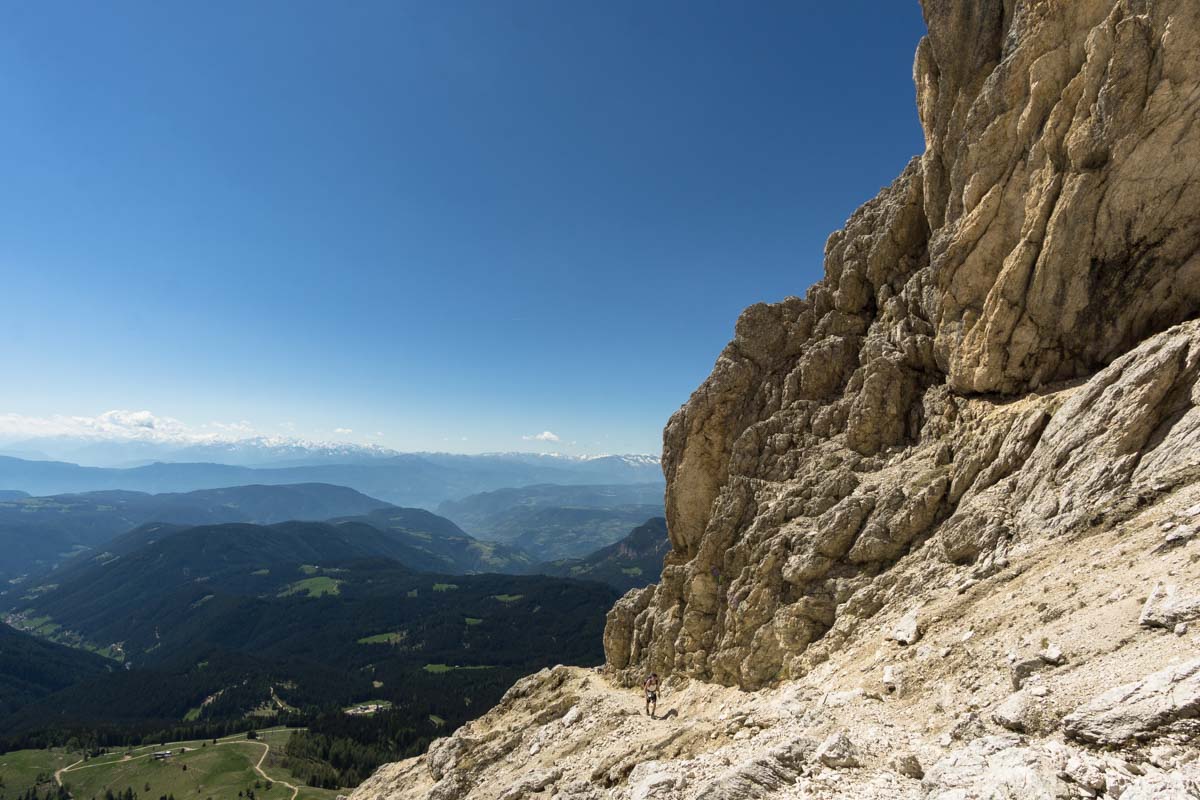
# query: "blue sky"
{"type": "Point", "coordinates": [441, 225]}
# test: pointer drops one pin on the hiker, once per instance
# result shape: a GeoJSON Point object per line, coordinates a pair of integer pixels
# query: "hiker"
{"type": "Point", "coordinates": [650, 686]}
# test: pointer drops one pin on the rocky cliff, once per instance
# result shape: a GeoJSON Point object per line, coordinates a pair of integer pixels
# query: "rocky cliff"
{"type": "Point", "coordinates": [979, 431]}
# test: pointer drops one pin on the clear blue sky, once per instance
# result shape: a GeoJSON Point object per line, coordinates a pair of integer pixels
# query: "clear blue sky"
{"type": "Point", "coordinates": [453, 223]}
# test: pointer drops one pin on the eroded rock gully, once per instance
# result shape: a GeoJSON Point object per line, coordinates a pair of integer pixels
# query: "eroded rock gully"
{"type": "Point", "coordinates": [981, 428]}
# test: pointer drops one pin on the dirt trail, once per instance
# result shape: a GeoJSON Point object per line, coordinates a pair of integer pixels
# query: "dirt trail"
{"type": "Point", "coordinates": [258, 766]}
{"type": "Point", "coordinates": [58, 773]}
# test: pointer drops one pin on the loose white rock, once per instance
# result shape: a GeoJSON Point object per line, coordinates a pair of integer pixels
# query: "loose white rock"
{"type": "Point", "coordinates": [837, 751]}
{"type": "Point", "coordinates": [907, 630]}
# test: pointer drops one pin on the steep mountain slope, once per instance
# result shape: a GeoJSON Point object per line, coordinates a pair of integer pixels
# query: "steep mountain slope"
{"type": "Point", "coordinates": [917, 513]}
{"type": "Point", "coordinates": [38, 532]}
{"type": "Point", "coordinates": [631, 563]}
{"type": "Point", "coordinates": [165, 572]}
{"type": "Point", "coordinates": [409, 479]}
{"type": "Point", "coordinates": [323, 637]}
{"type": "Point", "coordinates": [222, 620]}
{"type": "Point", "coordinates": [31, 668]}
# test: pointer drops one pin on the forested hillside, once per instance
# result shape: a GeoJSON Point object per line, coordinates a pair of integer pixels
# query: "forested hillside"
{"type": "Point", "coordinates": [631, 563]}
{"type": "Point", "coordinates": [31, 668]}
{"type": "Point", "coordinates": [38, 532]}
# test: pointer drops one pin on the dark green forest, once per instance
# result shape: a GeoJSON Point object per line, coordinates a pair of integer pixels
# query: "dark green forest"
{"type": "Point", "coordinates": [216, 630]}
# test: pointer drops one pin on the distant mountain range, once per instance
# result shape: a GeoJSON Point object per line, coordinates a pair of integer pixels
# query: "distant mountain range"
{"type": "Point", "coordinates": [474, 511]}
{"type": "Point", "coordinates": [38, 532]}
{"type": "Point", "coordinates": [633, 562]}
{"type": "Point", "coordinates": [101, 451]}
{"type": "Point", "coordinates": [251, 451]}
{"type": "Point", "coordinates": [414, 480]}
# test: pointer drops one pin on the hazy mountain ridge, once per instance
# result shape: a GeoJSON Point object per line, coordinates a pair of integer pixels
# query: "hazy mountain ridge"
{"type": "Point", "coordinates": [38, 532]}
{"type": "Point", "coordinates": [412, 480]}
{"type": "Point", "coordinates": [473, 511]}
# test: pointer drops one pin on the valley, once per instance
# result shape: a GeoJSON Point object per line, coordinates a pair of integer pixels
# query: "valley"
{"type": "Point", "coordinates": [557, 522]}
{"type": "Point", "coordinates": [201, 615]}
{"type": "Point", "coordinates": [633, 562]}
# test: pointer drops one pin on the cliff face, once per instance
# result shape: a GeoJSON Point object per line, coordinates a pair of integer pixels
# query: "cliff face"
{"type": "Point", "coordinates": [939, 517]}
{"type": "Point", "coordinates": [943, 393]}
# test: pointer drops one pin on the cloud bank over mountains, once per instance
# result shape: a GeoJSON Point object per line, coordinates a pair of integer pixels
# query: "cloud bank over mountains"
{"type": "Point", "coordinates": [121, 438]}
{"type": "Point", "coordinates": [121, 424]}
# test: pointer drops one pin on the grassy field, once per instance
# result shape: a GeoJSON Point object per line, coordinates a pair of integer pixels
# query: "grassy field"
{"type": "Point", "coordinates": [438, 669]}
{"type": "Point", "coordinates": [313, 587]}
{"type": "Point", "coordinates": [21, 769]}
{"type": "Point", "coordinates": [393, 637]}
{"type": "Point", "coordinates": [204, 770]}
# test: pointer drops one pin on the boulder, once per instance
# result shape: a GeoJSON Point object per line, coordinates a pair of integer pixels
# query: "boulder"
{"type": "Point", "coordinates": [1023, 712]}
{"type": "Point", "coordinates": [993, 767]}
{"type": "Point", "coordinates": [763, 776]}
{"type": "Point", "coordinates": [908, 630]}
{"type": "Point", "coordinates": [1181, 785]}
{"type": "Point", "coordinates": [1020, 669]}
{"type": "Point", "coordinates": [531, 783]}
{"type": "Point", "coordinates": [1140, 710]}
{"type": "Point", "coordinates": [1167, 607]}
{"type": "Point", "coordinates": [1052, 655]}
{"type": "Point", "coordinates": [893, 679]}
{"type": "Point", "coordinates": [908, 765]}
{"type": "Point", "coordinates": [652, 780]}
{"type": "Point", "coordinates": [837, 751]}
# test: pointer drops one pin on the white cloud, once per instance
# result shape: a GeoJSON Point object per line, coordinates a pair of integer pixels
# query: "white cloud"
{"type": "Point", "coordinates": [125, 426]}
{"type": "Point", "coordinates": [52, 434]}
{"type": "Point", "coordinates": [544, 436]}
{"type": "Point", "coordinates": [117, 424]}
